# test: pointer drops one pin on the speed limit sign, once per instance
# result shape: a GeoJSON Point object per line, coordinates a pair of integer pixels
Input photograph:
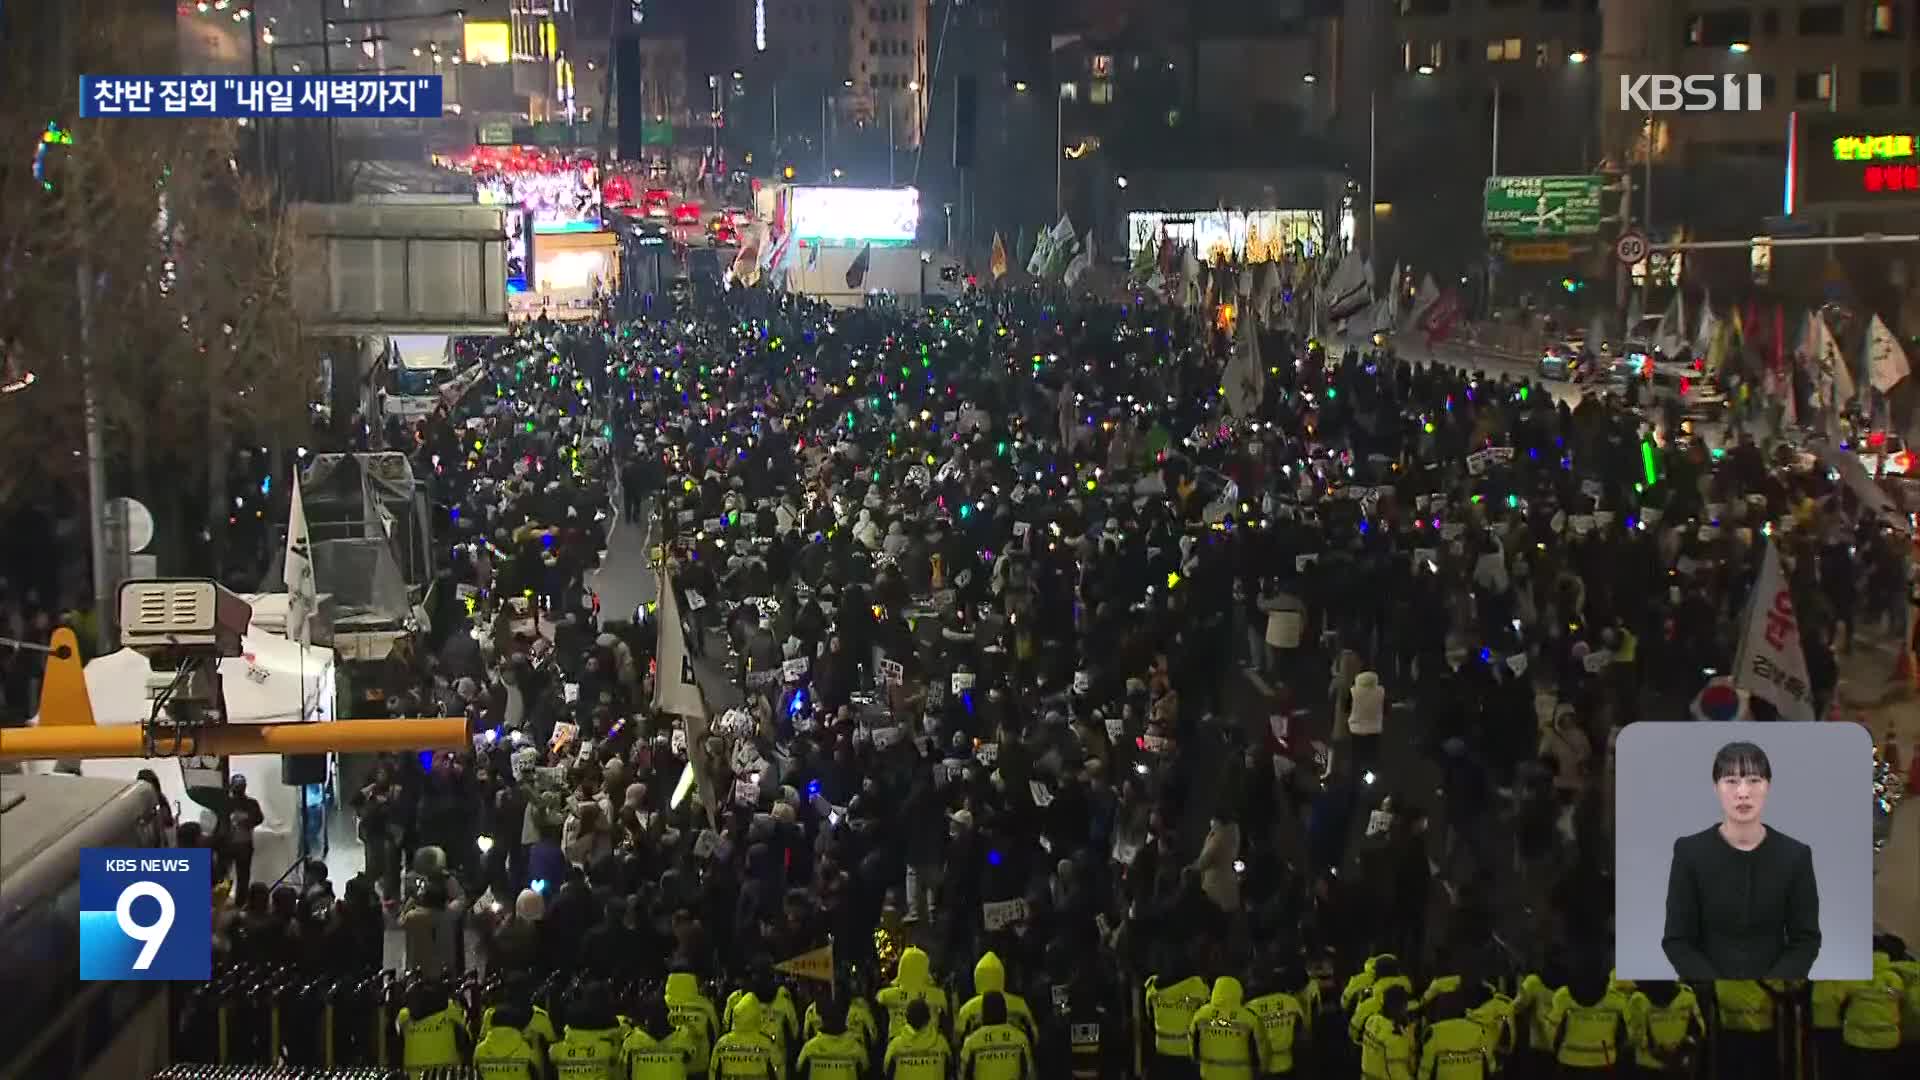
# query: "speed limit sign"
{"type": "Point", "coordinates": [1631, 248]}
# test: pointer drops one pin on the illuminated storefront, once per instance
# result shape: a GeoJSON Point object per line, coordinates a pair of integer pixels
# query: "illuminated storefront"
{"type": "Point", "coordinates": [562, 194]}
{"type": "Point", "coordinates": [1233, 235]}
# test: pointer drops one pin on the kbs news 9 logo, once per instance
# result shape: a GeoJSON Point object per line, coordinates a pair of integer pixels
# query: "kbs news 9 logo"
{"type": "Point", "coordinates": [146, 913]}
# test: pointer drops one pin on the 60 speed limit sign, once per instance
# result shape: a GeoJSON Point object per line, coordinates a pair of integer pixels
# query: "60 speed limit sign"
{"type": "Point", "coordinates": [1631, 248]}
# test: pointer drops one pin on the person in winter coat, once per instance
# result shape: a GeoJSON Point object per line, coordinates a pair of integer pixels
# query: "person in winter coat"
{"type": "Point", "coordinates": [1366, 719]}
{"type": "Point", "coordinates": [1215, 865]}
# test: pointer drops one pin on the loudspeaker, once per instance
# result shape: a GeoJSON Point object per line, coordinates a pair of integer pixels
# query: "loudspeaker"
{"type": "Point", "coordinates": [628, 104]}
{"type": "Point", "coordinates": [966, 104]}
{"type": "Point", "coordinates": [298, 770]}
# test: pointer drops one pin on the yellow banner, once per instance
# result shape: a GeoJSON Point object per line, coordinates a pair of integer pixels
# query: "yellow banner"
{"type": "Point", "coordinates": [814, 964]}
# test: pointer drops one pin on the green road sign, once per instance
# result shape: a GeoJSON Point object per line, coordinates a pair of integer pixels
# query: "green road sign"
{"type": "Point", "coordinates": [1543, 206]}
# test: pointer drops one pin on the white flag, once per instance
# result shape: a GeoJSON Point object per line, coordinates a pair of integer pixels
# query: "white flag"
{"type": "Point", "coordinates": [1425, 297]}
{"type": "Point", "coordinates": [1819, 346]}
{"type": "Point", "coordinates": [1886, 358]}
{"type": "Point", "coordinates": [1670, 334]}
{"type": "Point", "coordinates": [1709, 326]}
{"type": "Point", "coordinates": [1350, 289]}
{"type": "Point", "coordinates": [1872, 496]}
{"type": "Point", "coordinates": [1245, 379]}
{"type": "Point", "coordinates": [1042, 251]}
{"type": "Point", "coordinates": [1772, 663]}
{"type": "Point", "coordinates": [676, 691]}
{"type": "Point", "coordinates": [303, 595]}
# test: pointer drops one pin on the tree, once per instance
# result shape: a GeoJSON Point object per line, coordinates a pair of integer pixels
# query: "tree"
{"type": "Point", "coordinates": [145, 264]}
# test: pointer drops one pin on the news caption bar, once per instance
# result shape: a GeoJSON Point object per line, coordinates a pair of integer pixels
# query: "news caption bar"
{"type": "Point", "coordinates": [248, 96]}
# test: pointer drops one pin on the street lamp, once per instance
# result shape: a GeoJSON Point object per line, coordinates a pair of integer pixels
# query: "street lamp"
{"type": "Point", "coordinates": [1740, 47]}
{"type": "Point", "coordinates": [1020, 87]}
{"type": "Point", "coordinates": [1578, 56]}
{"type": "Point", "coordinates": [1309, 78]}
{"type": "Point", "coordinates": [1424, 69]}
{"type": "Point", "coordinates": [1120, 182]}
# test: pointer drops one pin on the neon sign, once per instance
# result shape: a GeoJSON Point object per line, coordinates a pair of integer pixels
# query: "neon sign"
{"type": "Point", "coordinates": [1872, 147]}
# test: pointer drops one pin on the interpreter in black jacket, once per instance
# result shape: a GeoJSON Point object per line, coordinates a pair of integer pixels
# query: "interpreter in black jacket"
{"type": "Point", "coordinates": [1742, 902]}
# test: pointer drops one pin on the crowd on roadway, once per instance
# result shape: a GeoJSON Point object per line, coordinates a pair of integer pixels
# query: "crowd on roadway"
{"type": "Point", "coordinates": [1206, 746]}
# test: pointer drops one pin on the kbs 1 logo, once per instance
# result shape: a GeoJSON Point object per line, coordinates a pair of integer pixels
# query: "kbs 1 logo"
{"type": "Point", "coordinates": [1691, 93]}
{"type": "Point", "coordinates": [146, 913]}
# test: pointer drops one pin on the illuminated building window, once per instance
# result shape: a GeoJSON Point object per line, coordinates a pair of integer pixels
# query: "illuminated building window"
{"type": "Point", "coordinates": [1718, 29]}
{"type": "Point", "coordinates": [1173, 117]}
{"type": "Point", "coordinates": [1883, 19]}
{"type": "Point", "coordinates": [1503, 49]}
{"type": "Point", "coordinates": [1102, 66]}
{"type": "Point", "coordinates": [1437, 54]}
{"type": "Point", "coordinates": [1811, 86]}
{"type": "Point", "coordinates": [1069, 91]}
{"type": "Point", "coordinates": [1101, 93]}
{"type": "Point", "coordinates": [1407, 55]}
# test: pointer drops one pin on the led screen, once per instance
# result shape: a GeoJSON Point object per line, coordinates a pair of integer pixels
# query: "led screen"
{"type": "Point", "coordinates": [1250, 235]}
{"type": "Point", "coordinates": [849, 217]}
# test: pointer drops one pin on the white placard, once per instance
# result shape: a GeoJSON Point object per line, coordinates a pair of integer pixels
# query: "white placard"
{"type": "Point", "coordinates": [1301, 562]}
{"type": "Point", "coordinates": [1082, 682]}
{"type": "Point", "coordinates": [795, 669]}
{"type": "Point", "coordinates": [746, 793]}
{"type": "Point", "coordinates": [570, 691]}
{"type": "Point", "coordinates": [987, 753]}
{"type": "Point", "coordinates": [706, 843]}
{"type": "Point", "coordinates": [1603, 519]}
{"type": "Point", "coordinates": [713, 524]}
{"type": "Point", "coordinates": [1597, 661]}
{"type": "Point", "coordinates": [892, 672]}
{"type": "Point", "coordinates": [563, 733]}
{"type": "Point", "coordinates": [1652, 515]}
{"type": "Point", "coordinates": [678, 741]}
{"type": "Point", "coordinates": [962, 681]}
{"type": "Point", "coordinates": [1379, 823]}
{"type": "Point", "coordinates": [1517, 663]}
{"type": "Point", "coordinates": [1279, 724]}
{"type": "Point", "coordinates": [1582, 524]}
{"type": "Point", "coordinates": [1001, 913]}
{"type": "Point", "coordinates": [1116, 728]}
{"type": "Point", "coordinates": [695, 601]}
{"type": "Point", "coordinates": [1153, 744]}
{"type": "Point", "coordinates": [467, 593]}
{"type": "Point", "coordinates": [1020, 528]}
{"type": "Point", "coordinates": [886, 738]}
{"type": "Point", "coordinates": [1042, 795]}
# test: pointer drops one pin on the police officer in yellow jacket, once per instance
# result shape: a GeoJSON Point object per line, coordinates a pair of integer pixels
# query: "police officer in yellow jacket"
{"type": "Point", "coordinates": [1534, 1020]}
{"type": "Point", "coordinates": [1285, 1023]}
{"type": "Point", "coordinates": [997, 1049]}
{"type": "Point", "coordinates": [832, 1051]}
{"type": "Point", "coordinates": [504, 1051]}
{"type": "Point", "coordinates": [1386, 1040]}
{"type": "Point", "coordinates": [990, 977]}
{"type": "Point", "coordinates": [913, 981]}
{"type": "Point", "coordinates": [589, 1046]}
{"type": "Point", "coordinates": [1665, 1027]}
{"type": "Point", "coordinates": [1366, 1001]}
{"type": "Point", "coordinates": [1824, 1002]}
{"type": "Point", "coordinates": [855, 1012]}
{"type": "Point", "coordinates": [1170, 1005]}
{"type": "Point", "coordinates": [1745, 1045]}
{"type": "Point", "coordinates": [1456, 1047]}
{"type": "Point", "coordinates": [538, 1029]}
{"type": "Point", "coordinates": [1493, 1011]}
{"type": "Point", "coordinates": [1362, 981]}
{"type": "Point", "coordinates": [693, 1012]}
{"type": "Point", "coordinates": [777, 1014]}
{"type": "Point", "coordinates": [433, 1029]}
{"type": "Point", "coordinates": [1870, 1021]}
{"type": "Point", "coordinates": [745, 1052]}
{"type": "Point", "coordinates": [655, 1049]}
{"type": "Point", "coordinates": [1228, 1041]}
{"type": "Point", "coordinates": [918, 1051]}
{"type": "Point", "coordinates": [1589, 1026]}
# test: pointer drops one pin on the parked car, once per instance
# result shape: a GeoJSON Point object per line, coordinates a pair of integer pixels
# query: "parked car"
{"type": "Point", "coordinates": [657, 202]}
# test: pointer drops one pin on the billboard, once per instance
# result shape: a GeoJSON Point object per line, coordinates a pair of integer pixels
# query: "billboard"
{"type": "Point", "coordinates": [852, 217]}
{"type": "Point", "coordinates": [1250, 235]}
{"type": "Point", "coordinates": [1846, 161]}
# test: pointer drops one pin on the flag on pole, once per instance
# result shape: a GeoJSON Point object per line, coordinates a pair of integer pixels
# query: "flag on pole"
{"type": "Point", "coordinates": [997, 264]}
{"type": "Point", "coordinates": [1427, 295]}
{"type": "Point", "coordinates": [1670, 333]}
{"type": "Point", "coordinates": [676, 691]}
{"type": "Point", "coordinates": [1709, 329]}
{"type": "Point", "coordinates": [1042, 253]}
{"type": "Point", "coordinates": [1771, 663]}
{"type": "Point", "coordinates": [1245, 379]}
{"type": "Point", "coordinates": [1873, 498]}
{"type": "Point", "coordinates": [857, 271]}
{"type": "Point", "coordinates": [1886, 359]}
{"type": "Point", "coordinates": [303, 595]}
{"type": "Point", "coordinates": [815, 964]}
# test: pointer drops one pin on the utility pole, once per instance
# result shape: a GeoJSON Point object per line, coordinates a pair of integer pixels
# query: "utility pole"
{"type": "Point", "coordinates": [1622, 272]}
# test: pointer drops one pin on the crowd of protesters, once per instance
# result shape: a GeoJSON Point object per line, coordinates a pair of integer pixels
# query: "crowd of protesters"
{"type": "Point", "coordinates": [1096, 732]}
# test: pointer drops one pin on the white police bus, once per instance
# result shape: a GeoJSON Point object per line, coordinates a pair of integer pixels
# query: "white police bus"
{"type": "Point", "coordinates": [51, 1023]}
